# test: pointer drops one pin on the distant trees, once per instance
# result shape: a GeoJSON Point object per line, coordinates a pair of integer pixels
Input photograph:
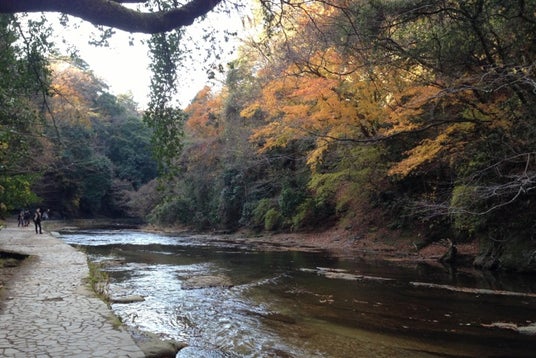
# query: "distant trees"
{"type": "Point", "coordinates": [95, 146]}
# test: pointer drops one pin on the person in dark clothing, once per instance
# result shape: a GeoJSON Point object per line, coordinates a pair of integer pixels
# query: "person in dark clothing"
{"type": "Point", "coordinates": [37, 221]}
{"type": "Point", "coordinates": [27, 217]}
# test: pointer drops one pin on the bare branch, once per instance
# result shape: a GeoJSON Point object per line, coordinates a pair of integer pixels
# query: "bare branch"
{"type": "Point", "coordinates": [501, 194]}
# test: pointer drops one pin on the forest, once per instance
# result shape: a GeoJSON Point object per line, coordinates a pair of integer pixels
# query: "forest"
{"type": "Point", "coordinates": [414, 116]}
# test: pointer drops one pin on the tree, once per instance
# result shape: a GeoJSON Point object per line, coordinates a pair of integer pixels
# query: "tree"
{"type": "Point", "coordinates": [115, 14]}
{"type": "Point", "coordinates": [23, 75]}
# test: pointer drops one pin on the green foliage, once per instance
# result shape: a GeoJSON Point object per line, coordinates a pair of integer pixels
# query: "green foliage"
{"type": "Point", "coordinates": [167, 126]}
{"type": "Point", "coordinates": [259, 213]}
{"type": "Point", "coordinates": [465, 207]}
{"type": "Point", "coordinates": [171, 212]}
{"type": "Point", "coordinates": [231, 198]}
{"type": "Point", "coordinates": [165, 119]}
{"type": "Point", "coordinates": [128, 147]}
{"type": "Point", "coordinates": [15, 192]}
{"type": "Point", "coordinates": [109, 105]}
{"type": "Point", "coordinates": [289, 199]}
{"type": "Point", "coordinates": [313, 212]}
{"type": "Point", "coordinates": [272, 220]}
{"type": "Point", "coordinates": [96, 182]}
{"type": "Point", "coordinates": [306, 215]}
{"type": "Point", "coordinates": [23, 77]}
{"type": "Point", "coordinates": [96, 153]}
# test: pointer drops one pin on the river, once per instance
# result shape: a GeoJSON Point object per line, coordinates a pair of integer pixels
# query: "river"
{"type": "Point", "coordinates": [233, 300]}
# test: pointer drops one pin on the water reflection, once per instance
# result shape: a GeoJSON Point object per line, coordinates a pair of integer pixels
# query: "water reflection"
{"type": "Point", "coordinates": [249, 303]}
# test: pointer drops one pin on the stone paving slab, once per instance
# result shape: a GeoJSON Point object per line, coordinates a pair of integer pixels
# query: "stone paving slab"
{"type": "Point", "coordinates": [49, 310]}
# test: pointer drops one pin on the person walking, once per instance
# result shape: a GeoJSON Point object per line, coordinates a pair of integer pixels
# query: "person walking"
{"type": "Point", "coordinates": [37, 221]}
{"type": "Point", "coordinates": [21, 219]}
{"type": "Point", "coordinates": [27, 217]}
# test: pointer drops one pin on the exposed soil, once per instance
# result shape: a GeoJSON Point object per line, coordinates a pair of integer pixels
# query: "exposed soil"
{"type": "Point", "coordinates": [383, 244]}
{"type": "Point", "coordinates": [373, 240]}
{"type": "Point", "coordinates": [380, 243]}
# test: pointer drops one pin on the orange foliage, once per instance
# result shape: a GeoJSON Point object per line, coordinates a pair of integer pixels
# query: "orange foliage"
{"type": "Point", "coordinates": [429, 150]}
{"type": "Point", "coordinates": [408, 105]}
{"type": "Point", "coordinates": [204, 115]}
{"type": "Point", "coordinates": [416, 106]}
{"type": "Point", "coordinates": [327, 108]}
{"type": "Point", "coordinates": [73, 91]}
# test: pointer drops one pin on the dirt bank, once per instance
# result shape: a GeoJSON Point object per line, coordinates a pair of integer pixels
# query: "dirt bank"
{"type": "Point", "coordinates": [380, 244]}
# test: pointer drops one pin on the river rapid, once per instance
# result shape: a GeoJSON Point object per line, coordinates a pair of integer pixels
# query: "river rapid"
{"type": "Point", "coordinates": [232, 299]}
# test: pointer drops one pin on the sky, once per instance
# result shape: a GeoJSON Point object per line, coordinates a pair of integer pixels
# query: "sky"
{"type": "Point", "coordinates": [125, 68]}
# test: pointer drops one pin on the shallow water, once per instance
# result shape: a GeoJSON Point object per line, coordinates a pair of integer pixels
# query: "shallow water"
{"type": "Point", "coordinates": [308, 304]}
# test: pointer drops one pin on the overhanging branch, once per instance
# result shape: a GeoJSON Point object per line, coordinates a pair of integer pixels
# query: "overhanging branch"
{"type": "Point", "coordinates": [114, 14]}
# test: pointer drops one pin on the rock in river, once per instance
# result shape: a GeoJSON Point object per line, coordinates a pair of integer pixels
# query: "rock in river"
{"type": "Point", "coordinates": [206, 281]}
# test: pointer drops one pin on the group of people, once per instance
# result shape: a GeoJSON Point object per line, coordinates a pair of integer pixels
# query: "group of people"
{"type": "Point", "coordinates": [25, 216]}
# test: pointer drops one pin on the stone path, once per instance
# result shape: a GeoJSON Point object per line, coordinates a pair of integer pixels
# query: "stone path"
{"type": "Point", "coordinates": [49, 310]}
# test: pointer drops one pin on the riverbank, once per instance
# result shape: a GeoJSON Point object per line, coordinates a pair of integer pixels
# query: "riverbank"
{"type": "Point", "coordinates": [382, 244]}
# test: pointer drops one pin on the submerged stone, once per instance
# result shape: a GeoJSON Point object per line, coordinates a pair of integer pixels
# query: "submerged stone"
{"type": "Point", "coordinates": [207, 281]}
{"type": "Point", "coordinates": [127, 299]}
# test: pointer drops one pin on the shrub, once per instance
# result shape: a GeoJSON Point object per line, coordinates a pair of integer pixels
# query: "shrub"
{"type": "Point", "coordinates": [272, 220]}
{"type": "Point", "coordinates": [176, 210]}
{"type": "Point", "coordinates": [464, 201]}
{"type": "Point", "coordinates": [259, 213]}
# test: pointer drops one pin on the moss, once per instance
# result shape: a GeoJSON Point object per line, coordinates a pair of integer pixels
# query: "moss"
{"type": "Point", "coordinates": [510, 254]}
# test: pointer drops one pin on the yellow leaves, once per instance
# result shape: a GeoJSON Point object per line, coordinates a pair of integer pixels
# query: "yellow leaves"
{"type": "Point", "coordinates": [427, 151]}
{"type": "Point", "coordinates": [446, 143]}
{"type": "Point", "coordinates": [408, 105]}
{"type": "Point", "coordinates": [250, 110]}
{"type": "Point", "coordinates": [322, 108]}
{"type": "Point", "coordinates": [273, 135]}
{"type": "Point", "coordinates": [315, 156]}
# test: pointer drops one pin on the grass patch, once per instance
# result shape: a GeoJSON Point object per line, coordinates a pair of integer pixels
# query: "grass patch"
{"type": "Point", "coordinates": [98, 280]}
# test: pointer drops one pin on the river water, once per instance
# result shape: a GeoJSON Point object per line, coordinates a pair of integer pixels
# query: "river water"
{"type": "Point", "coordinates": [231, 299]}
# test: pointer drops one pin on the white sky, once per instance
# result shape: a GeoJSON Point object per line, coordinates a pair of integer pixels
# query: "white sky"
{"type": "Point", "coordinates": [125, 68]}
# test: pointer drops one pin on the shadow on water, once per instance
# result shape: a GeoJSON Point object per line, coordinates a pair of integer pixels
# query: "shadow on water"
{"type": "Point", "coordinates": [243, 302]}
